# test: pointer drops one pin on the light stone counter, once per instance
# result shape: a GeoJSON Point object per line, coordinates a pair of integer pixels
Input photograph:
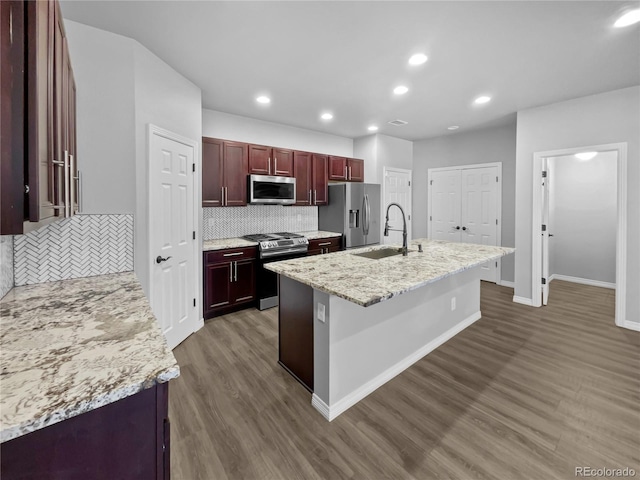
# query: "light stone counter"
{"type": "Point", "coordinates": [318, 234]}
{"type": "Point", "coordinates": [72, 346]}
{"type": "Point", "coordinates": [366, 281]}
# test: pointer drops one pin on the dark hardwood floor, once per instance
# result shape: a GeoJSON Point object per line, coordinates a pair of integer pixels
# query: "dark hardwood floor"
{"type": "Point", "coordinates": [524, 393]}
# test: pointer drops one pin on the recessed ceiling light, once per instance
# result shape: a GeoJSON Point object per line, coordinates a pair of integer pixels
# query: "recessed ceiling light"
{"type": "Point", "coordinates": [326, 116]}
{"type": "Point", "coordinates": [263, 99]}
{"type": "Point", "coordinates": [453, 127]}
{"type": "Point", "coordinates": [417, 59]}
{"type": "Point", "coordinates": [400, 90]}
{"type": "Point", "coordinates": [372, 128]}
{"type": "Point", "coordinates": [628, 18]}
{"type": "Point", "coordinates": [585, 155]}
{"type": "Point", "coordinates": [482, 99]}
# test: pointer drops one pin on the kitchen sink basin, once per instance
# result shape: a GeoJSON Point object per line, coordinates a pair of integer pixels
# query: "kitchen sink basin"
{"type": "Point", "coordinates": [378, 254]}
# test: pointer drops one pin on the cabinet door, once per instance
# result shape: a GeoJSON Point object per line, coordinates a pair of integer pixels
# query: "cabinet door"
{"type": "Point", "coordinates": [217, 285]}
{"type": "Point", "coordinates": [337, 168]}
{"type": "Point", "coordinates": [320, 180]}
{"type": "Point", "coordinates": [356, 170]}
{"type": "Point", "coordinates": [244, 281]}
{"type": "Point", "coordinates": [40, 114]}
{"type": "Point", "coordinates": [236, 167]}
{"type": "Point", "coordinates": [302, 169]}
{"type": "Point", "coordinates": [282, 162]}
{"type": "Point", "coordinates": [71, 137]}
{"type": "Point", "coordinates": [211, 172]}
{"type": "Point", "coordinates": [59, 113]}
{"type": "Point", "coordinates": [259, 160]}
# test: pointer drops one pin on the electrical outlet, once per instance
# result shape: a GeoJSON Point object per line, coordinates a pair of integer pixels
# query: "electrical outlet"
{"type": "Point", "coordinates": [453, 303]}
{"type": "Point", "coordinates": [320, 314]}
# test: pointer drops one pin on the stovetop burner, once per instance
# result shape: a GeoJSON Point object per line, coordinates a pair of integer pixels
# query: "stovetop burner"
{"type": "Point", "coordinates": [278, 244]}
{"type": "Point", "coordinates": [266, 237]}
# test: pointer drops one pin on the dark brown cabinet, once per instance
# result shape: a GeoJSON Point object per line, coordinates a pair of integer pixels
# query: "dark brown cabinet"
{"type": "Point", "coordinates": [128, 438]}
{"type": "Point", "coordinates": [224, 173]}
{"type": "Point", "coordinates": [321, 246]}
{"type": "Point", "coordinates": [346, 169]}
{"type": "Point", "coordinates": [310, 170]}
{"type": "Point", "coordinates": [229, 280]}
{"type": "Point", "coordinates": [265, 160]}
{"type": "Point", "coordinates": [39, 158]}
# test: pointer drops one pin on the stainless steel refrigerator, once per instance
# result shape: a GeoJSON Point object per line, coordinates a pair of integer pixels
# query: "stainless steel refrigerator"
{"type": "Point", "coordinates": [354, 211]}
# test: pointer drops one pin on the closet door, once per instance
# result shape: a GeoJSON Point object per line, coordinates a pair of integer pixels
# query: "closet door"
{"type": "Point", "coordinates": [445, 206]}
{"type": "Point", "coordinates": [479, 220]}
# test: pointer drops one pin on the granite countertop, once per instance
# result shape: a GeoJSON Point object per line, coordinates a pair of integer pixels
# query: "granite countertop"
{"type": "Point", "coordinates": [366, 281]}
{"type": "Point", "coordinates": [223, 243]}
{"type": "Point", "coordinates": [71, 346]}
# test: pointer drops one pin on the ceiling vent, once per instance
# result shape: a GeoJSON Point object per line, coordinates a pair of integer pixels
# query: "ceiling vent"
{"type": "Point", "coordinates": [398, 123]}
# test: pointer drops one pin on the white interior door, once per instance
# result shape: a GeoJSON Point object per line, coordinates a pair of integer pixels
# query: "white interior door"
{"type": "Point", "coordinates": [171, 232]}
{"type": "Point", "coordinates": [545, 231]}
{"type": "Point", "coordinates": [397, 188]}
{"type": "Point", "coordinates": [479, 219]}
{"type": "Point", "coordinates": [445, 205]}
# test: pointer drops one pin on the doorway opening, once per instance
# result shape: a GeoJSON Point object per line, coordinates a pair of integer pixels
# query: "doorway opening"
{"type": "Point", "coordinates": [579, 220]}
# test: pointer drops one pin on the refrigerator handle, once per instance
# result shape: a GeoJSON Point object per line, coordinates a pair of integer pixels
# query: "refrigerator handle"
{"type": "Point", "coordinates": [366, 199]}
{"type": "Point", "coordinates": [364, 215]}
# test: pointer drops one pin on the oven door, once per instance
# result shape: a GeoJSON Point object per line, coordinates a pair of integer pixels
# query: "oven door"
{"type": "Point", "coordinates": [266, 189]}
{"type": "Point", "coordinates": [267, 281]}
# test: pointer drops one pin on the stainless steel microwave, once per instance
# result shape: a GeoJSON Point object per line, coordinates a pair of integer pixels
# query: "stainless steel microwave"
{"type": "Point", "coordinates": [267, 189]}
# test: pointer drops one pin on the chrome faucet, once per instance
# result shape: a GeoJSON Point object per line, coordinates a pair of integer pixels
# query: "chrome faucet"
{"type": "Point", "coordinates": [405, 249]}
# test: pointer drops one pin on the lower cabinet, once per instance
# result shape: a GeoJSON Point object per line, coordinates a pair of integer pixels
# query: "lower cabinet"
{"type": "Point", "coordinates": [324, 245]}
{"type": "Point", "coordinates": [125, 439]}
{"type": "Point", "coordinates": [229, 280]}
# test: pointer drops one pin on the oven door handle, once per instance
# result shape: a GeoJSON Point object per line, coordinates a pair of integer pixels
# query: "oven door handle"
{"type": "Point", "coordinates": [282, 252]}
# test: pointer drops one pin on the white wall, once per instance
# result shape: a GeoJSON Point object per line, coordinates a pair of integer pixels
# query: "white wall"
{"type": "Point", "coordinates": [103, 69]}
{"type": "Point", "coordinates": [366, 148]}
{"type": "Point", "coordinates": [610, 117]}
{"type": "Point", "coordinates": [244, 129]}
{"type": "Point", "coordinates": [167, 100]}
{"type": "Point", "coordinates": [497, 144]}
{"type": "Point", "coordinates": [583, 217]}
{"type": "Point", "coordinates": [379, 151]}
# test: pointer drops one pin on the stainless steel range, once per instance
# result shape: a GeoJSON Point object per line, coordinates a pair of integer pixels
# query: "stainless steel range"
{"type": "Point", "coordinates": [274, 247]}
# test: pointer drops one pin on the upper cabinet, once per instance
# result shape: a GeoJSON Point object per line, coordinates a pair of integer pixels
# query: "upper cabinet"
{"type": "Point", "coordinates": [225, 166]}
{"type": "Point", "coordinates": [346, 169]}
{"type": "Point", "coordinates": [265, 160]}
{"type": "Point", "coordinates": [311, 178]}
{"type": "Point", "coordinates": [39, 149]}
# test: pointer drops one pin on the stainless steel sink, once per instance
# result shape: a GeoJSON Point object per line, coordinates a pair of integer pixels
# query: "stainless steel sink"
{"type": "Point", "coordinates": [378, 254]}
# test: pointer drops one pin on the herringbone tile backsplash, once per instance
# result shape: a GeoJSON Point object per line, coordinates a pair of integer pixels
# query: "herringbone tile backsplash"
{"type": "Point", "coordinates": [227, 222]}
{"type": "Point", "coordinates": [80, 246]}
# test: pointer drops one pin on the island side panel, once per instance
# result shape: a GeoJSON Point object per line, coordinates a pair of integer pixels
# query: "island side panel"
{"type": "Point", "coordinates": [295, 330]}
{"type": "Point", "coordinates": [368, 346]}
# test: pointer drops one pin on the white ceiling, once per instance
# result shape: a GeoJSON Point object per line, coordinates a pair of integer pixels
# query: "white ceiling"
{"type": "Point", "coordinates": [346, 57]}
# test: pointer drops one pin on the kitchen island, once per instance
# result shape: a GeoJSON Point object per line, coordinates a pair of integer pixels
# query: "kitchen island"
{"type": "Point", "coordinates": [348, 324]}
{"type": "Point", "coordinates": [85, 372]}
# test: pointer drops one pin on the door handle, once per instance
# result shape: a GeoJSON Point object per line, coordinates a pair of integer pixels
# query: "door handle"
{"type": "Point", "coordinates": [160, 259]}
{"type": "Point", "coordinates": [457, 227]}
{"type": "Point", "coordinates": [464, 228]}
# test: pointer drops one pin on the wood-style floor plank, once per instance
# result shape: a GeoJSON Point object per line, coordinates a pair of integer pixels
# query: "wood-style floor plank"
{"type": "Point", "coordinates": [524, 393]}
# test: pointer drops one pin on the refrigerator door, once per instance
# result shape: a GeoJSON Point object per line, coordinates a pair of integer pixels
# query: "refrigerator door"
{"type": "Point", "coordinates": [356, 215]}
{"type": "Point", "coordinates": [372, 201]}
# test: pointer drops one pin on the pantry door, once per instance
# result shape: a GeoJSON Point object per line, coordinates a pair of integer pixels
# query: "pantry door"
{"type": "Point", "coordinates": [172, 238]}
{"type": "Point", "coordinates": [479, 217]}
{"type": "Point", "coordinates": [397, 189]}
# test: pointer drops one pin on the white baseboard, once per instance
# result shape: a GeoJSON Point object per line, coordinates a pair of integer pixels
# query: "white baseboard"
{"type": "Point", "coordinates": [199, 324]}
{"type": "Point", "coordinates": [331, 412]}
{"type": "Point", "coordinates": [583, 281]}
{"type": "Point", "coordinates": [631, 325]}
{"type": "Point", "coordinates": [507, 283]}
{"type": "Point", "coordinates": [523, 300]}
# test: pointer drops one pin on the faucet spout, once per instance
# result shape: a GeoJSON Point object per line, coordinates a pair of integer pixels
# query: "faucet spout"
{"type": "Point", "coordinates": [405, 249]}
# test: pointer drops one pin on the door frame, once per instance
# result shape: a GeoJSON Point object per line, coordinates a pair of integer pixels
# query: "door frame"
{"type": "Point", "coordinates": [430, 171]}
{"type": "Point", "coordinates": [197, 258]}
{"type": "Point", "coordinates": [382, 212]}
{"type": "Point", "coordinates": [621, 233]}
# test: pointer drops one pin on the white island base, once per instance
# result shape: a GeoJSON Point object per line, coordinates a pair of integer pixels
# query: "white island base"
{"type": "Point", "coordinates": [358, 349]}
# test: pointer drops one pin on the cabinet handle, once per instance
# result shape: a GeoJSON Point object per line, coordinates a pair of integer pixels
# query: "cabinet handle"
{"type": "Point", "coordinates": [345, 173]}
{"type": "Point", "coordinates": [231, 272]}
{"type": "Point", "coordinates": [269, 167]}
{"type": "Point", "coordinates": [72, 184]}
{"type": "Point", "coordinates": [350, 175]}
{"type": "Point", "coordinates": [67, 183]}
{"type": "Point", "coordinates": [226, 196]}
{"type": "Point", "coordinates": [323, 244]}
{"type": "Point", "coordinates": [78, 179]}
{"type": "Point", "coordinates": [310, 202]}
{"type": "Point", "coordinates": [275, 165]}
{"type": "Point", "coordinates": [222, 196]}
{"type": "Point", "coordinates": [315, 197]}
{"type": "Point", "coordinates": [235, 273]}
{"type": "Point", "coordinates": [235, 254]}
